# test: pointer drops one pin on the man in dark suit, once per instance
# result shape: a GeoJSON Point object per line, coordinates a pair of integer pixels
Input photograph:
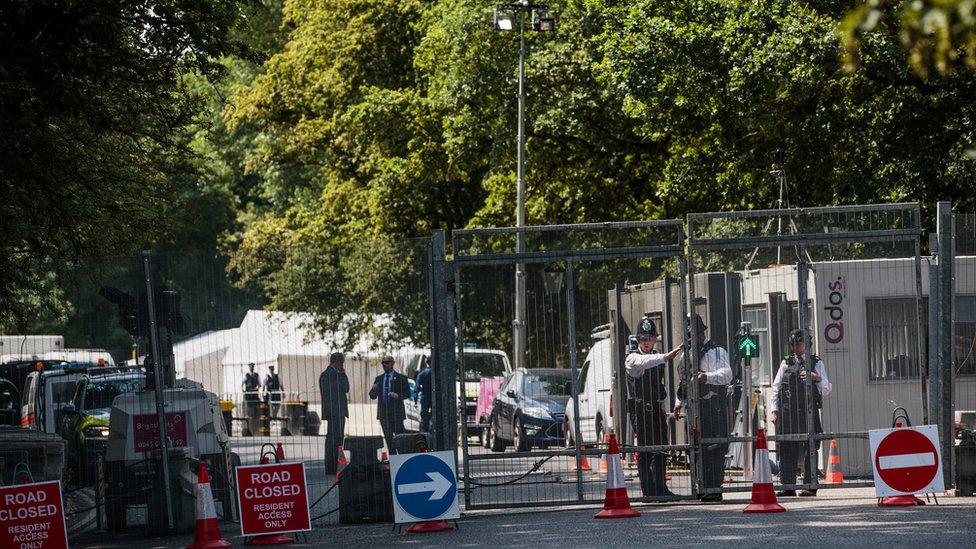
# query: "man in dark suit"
{"type": "Point", "coordinates": [334, 389]}
{"type": "Point", "coordinates": [389, 389]}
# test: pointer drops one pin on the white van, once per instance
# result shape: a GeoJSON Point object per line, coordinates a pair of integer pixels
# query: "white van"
{"type": "Point", "coordinates": [478, 364]}
{"type": "Point", "coordinates": [595, 396]}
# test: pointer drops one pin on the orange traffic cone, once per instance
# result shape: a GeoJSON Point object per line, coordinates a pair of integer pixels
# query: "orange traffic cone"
{"type": "Point", "coordinates": [616, 504]}
{"type": "Point", "coordinates": [834, 473]}
{"type": "Point", "coordinates": [763, 497]}
{"type": "Point", "coordinates": [606, 456]}
{"type": "Point", "coordinates": [341, 462]}
{"type": "Point", "coordinates": [207, 534]}
{"type": "Point", "coordinates": [583, 464]}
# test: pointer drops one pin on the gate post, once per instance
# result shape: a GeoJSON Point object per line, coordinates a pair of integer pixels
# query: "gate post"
{"type": "Point", "coordinates": [941, 297]}
{"type": "Point", "coordinates": [442, 344]}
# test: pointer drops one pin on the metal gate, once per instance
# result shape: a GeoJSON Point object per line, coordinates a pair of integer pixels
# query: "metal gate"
{"type": "Point", "coordinates": [526, 433]}
{"type": "Point", "coordinates": [850, 278]}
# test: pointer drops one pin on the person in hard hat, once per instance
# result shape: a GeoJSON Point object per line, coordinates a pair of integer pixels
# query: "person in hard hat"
{"type": "Point", "coordinates": [713, 376]}
{"type": "Point", "coordinates": [334, 390]}
{"type": "Point", "coordinates": [792, 397]}
{"type": "Point", "coordinates": [647, 406]}
{"type": "Point", "coordinates": [389, 389]}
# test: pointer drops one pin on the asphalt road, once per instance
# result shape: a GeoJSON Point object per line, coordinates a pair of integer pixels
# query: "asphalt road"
{"type": "Point", "coordinates": [837, 518]}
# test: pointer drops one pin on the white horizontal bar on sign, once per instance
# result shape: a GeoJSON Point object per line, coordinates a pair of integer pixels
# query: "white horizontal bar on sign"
{"type": "Point", "coordinates": [907, 460]}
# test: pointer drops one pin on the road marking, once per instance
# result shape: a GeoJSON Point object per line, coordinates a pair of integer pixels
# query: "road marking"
{"type": "Point", "coordinates": [902, 461]}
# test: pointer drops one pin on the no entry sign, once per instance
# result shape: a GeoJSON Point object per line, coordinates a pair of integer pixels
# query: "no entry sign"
{"type": "Point", "coordinates": [32, 516]}
{"type": "Point", "coordinates": [906, 460]}
{"type": "Point", "coordinates": [273, 499]}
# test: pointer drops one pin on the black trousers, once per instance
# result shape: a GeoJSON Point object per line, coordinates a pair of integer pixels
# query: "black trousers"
{"type": "Point", "coordinates": [392, 426]}
{"type": "Point", "coordinates": [333, 438]}
{"type": "Point", "coordinates": [650, 424]}
{"type": "Point", "coordinates": [790, 454]}
{"type": "Point", "coordinates": [714, 414]}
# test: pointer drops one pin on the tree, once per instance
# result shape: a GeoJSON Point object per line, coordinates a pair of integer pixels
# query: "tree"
{"type": "Point", "coordinates": [94, 104]}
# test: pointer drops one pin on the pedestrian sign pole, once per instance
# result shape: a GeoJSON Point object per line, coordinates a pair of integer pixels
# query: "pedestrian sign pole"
{"type": "Point", "coordinates": [748, 347]}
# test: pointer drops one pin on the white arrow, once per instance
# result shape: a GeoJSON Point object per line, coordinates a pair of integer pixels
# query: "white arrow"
{"type": "Point", "coordinates": [438, 486]}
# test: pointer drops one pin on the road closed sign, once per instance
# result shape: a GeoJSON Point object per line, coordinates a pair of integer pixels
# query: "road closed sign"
{"type": "Point", "coordinates": [906, 460]}
{"type": "Point", "coordinates": [424, 487]}
{"type": "Point", "coordinates": [32, 516]}
{"type": "Point", "coordinates": [273, 499]}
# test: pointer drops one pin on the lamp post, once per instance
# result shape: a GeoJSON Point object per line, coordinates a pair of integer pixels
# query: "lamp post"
{"type": "Point", "coordinates": [553, 279]}
{"type": "Point", "coordinates": [542, 21]}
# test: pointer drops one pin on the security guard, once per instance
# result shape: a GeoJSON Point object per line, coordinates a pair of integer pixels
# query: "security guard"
{"type": "Point", "coordinates": [790, 401]}
{"type": "Point", "coordinates": [646, 405]}
{"type": "Point", "coordinates": [713, 377]}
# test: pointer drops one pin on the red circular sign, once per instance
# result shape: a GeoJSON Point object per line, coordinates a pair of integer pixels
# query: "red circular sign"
{"type": "Point", "coordinates": [906, 460]}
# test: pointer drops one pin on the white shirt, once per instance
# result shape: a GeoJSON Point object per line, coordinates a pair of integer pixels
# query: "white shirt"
{"type": "Point", "coordinates": [637, 363]}
{"type": "Point", "coordinates": [823, 384]}
{"type": "Point", "coordinates": [715, 365]}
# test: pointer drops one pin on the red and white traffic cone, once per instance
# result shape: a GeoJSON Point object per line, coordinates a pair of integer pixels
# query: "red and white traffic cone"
{"type": "Point", "coordinates": [207, 535]}
{"type": "Point", "coordinates": [428, 526]}
{"type": "Point", "coordinates": [763, 496]}
{"type": "Point", "coordinates": [280, 453]}
{"type": "Point", "coordinates": [616, 504]}
{"type": "Point", "coordinates": [341, 462]}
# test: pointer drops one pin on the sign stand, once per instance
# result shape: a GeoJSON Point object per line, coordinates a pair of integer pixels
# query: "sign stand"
{"type": "Point", "coordinates": [906, 462]}
{"type": "Point", "coordinates": [424, 491]}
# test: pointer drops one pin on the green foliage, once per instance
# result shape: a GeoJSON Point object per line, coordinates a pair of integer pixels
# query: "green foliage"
{"type": "Point", "coordinates": [936, 34]}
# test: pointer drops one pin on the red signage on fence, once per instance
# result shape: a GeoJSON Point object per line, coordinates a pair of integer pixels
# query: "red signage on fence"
{"type": "Point", "coordinates": [273, 499]}
{"type": "Point", "coordinates": [906, 460]}
{"type": "Point", "coordinates": [32, 516]}
{"type": "Point", "coordinates": [145, 431]}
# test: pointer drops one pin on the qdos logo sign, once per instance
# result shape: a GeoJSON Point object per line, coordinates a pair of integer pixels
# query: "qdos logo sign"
{"type": "Point", "coordinates": [833, 331]}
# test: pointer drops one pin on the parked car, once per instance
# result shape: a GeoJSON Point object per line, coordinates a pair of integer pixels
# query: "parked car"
{"type": "Point", "coordinates": [478, 364]}
{"type": "Point", "coordinates": [529, 409]}
{"type": "Point", "coordinates": [595, 397]}
{"type": "Point", "coordinates": [85, 420]}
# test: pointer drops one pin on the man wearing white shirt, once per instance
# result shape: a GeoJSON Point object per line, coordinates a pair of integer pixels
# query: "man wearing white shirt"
{"type": "Point", "coordinates": [713, 377]}
{"type": "Point", "coordinates": [790, 399]}
{"type": "Point", "coordinates": [646, 406]}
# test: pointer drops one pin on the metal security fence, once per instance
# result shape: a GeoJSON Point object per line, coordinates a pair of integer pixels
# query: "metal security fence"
{"type": "Point", "coordinates": [957, 355]}
{"type": "Point", "coordinates": [535, 432]}
{"type": "Point", "coordinates": [850, 278]}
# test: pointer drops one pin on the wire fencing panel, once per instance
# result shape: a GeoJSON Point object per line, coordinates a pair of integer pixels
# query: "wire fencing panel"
{"type": "Point", "coordinates": [963, 389]}
{"type": "Point", "coordinates": [538, 436]}
{"type": "Point", "coordinates": [216, 324]}
{"type": "Point", "coordinates": [851, 278]}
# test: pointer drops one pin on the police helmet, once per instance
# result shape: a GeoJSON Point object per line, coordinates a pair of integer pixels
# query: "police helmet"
{"type": "Point", "coordinates": [796, 336]}
{"type": "Point", "coordinates": [699, 324]}
{"type": "Point", "coordinates": [646, 327]}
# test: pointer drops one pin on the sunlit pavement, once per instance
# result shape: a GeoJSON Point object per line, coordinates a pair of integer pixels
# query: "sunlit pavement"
{"type": "Point", "coordinates": [839, 517]}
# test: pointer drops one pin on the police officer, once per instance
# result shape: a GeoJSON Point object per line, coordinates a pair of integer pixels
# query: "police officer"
{"type": "Point", "coordinates": [790, 401]}
{"type": "Point", "coordinates": [647, 406]}
{"type": "Point", "coordinates": [713, 376]}
{"type": "Point", "coordinates": [251, 385]}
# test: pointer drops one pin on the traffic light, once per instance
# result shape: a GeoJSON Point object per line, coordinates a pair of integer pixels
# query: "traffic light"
{"type": "Point", "coordinates": [134, 313]}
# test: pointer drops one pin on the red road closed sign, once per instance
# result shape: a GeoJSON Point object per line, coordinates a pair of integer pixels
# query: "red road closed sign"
{"type": "Point", "coordinates": [273, 499]}
{"type": "Point", "coordinates": [32, 516]}
{"type": "Point", "coordinates": [906, 460]}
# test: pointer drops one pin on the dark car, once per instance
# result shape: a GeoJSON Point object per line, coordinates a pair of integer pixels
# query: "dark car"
{"type": "Point", "coordinates": [529, 409]}
{"type": "Point", "coordinates": [85, 421]}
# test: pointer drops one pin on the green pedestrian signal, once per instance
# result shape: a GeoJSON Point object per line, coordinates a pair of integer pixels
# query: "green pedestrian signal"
{"type": "Point", "coordinates": [749, 346]}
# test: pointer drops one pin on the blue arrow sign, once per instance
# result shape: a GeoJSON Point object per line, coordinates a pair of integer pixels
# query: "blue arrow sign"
{"type": "Point", "coordinates": [425, 486]}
